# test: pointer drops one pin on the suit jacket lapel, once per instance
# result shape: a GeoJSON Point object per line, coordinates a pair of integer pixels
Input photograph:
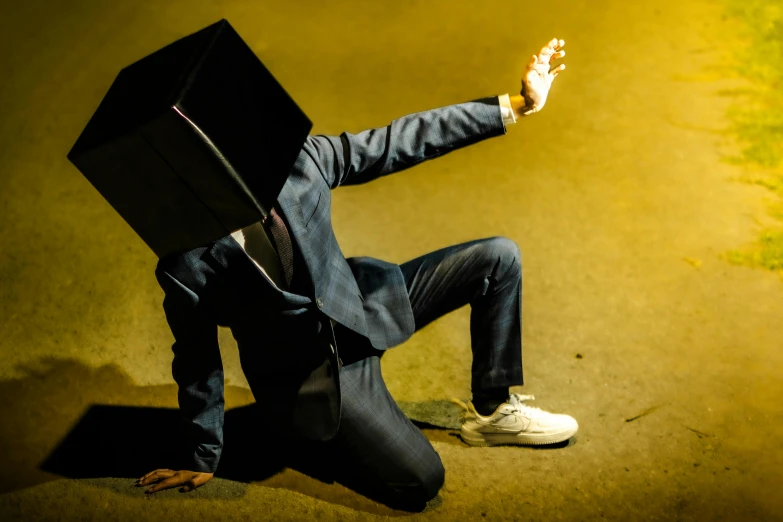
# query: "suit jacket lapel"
{"type": "Point", "coordinates": [227, 248]}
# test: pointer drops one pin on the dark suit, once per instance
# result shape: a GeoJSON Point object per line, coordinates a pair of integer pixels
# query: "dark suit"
{"type": "Point", "coordinates": [284, 337]}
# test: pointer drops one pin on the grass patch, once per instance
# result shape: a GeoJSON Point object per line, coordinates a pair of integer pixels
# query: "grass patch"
{"type": "Point", "coordinates": [757, 122]}
{"type": "Point", "coordinates": [767, 254]}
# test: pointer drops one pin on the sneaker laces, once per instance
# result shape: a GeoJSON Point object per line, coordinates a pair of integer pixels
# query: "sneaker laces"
{"type": "Point", "coordinates": [515, 400]}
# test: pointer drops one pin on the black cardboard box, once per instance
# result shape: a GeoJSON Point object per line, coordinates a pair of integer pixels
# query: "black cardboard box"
{"type": "Point", "coordinates": [192, 142]}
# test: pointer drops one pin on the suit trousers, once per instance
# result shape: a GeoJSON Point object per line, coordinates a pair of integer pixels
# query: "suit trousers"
{"type": "Point", "coordinates": [380, 450]}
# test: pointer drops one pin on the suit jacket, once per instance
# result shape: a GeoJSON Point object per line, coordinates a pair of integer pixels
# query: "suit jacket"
{"type": "Point", "coordinates": [285, 339]}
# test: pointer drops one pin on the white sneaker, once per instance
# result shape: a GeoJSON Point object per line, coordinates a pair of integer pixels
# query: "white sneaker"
{"type": "Point", "coordinates": [514, 423]}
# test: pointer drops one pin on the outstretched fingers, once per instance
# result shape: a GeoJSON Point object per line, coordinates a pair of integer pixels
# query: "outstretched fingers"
{"type": "Point", "coordinates": [154, 476]}
{"type": "Point", "coordinates": [166, 478]}
{"type": "Point", "coordinates": [554, 52]}
{"type": "Point", "coordinates": [176, 480]}
{"type": "Point", "coordinates": [557, 70]}
{"type": "Point", "coordinates": [544, 55]}
{"type": "Point", "coordinates": [551, 51]}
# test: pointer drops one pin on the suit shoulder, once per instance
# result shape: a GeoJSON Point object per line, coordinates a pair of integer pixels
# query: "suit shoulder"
{"type": "Point", "coordinates": [318, 159]}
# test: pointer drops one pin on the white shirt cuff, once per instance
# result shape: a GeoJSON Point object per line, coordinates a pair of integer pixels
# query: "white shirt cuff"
{"type": "Point", "coordinates": [506, 110]}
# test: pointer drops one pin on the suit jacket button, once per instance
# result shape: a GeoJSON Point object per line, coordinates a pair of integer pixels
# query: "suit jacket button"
{"type": "Point", "coordinates": [319, 302]}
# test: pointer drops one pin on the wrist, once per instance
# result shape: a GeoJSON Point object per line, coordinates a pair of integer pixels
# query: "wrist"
{"type": "Point", "coordinates": [521, 106]}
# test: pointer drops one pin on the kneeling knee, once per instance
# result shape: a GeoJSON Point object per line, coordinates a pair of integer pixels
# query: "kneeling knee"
{"type": "Point", "coordinates": [416, 493]}
{"type": "Point", "coordinates": [432, 482]}
{"type": "Point", "coordinates": [423, 489]}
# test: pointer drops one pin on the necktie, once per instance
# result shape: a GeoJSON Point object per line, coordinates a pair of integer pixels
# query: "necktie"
{"type": "Point", "coordinates": [275, 225]}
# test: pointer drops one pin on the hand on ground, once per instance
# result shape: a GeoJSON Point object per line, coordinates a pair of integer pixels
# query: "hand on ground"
{"type": "Point", "coordinates": [168, 478]}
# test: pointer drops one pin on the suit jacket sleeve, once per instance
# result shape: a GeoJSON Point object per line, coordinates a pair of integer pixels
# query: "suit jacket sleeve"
{"type": "Point", "coordinates": [357, 158]}
{"type": "Point", "coordinates": [198, 371]}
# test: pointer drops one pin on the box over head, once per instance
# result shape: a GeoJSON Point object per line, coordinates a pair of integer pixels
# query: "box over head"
{"type": "Point", "coordinates": [192, 142]}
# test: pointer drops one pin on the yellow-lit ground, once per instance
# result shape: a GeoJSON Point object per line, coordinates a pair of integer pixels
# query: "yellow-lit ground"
{"type": "Point", "coordinates": [616, 194]}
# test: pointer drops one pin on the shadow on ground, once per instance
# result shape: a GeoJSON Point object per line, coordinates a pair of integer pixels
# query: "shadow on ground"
{"type": "Point", "coordinates": [70, 420]}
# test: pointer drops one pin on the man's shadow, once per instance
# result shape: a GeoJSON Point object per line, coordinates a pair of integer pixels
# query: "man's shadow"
{"type": "Point", "coordinates": [94, 422]}
{"type": "Point", "coordinates": [129, 441]}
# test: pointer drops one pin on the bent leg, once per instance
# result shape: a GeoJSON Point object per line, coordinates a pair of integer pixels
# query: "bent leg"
{"type": "Point", "coordinates": [487, 274]}
{"type": "Point", "coordinates": [381, 453]}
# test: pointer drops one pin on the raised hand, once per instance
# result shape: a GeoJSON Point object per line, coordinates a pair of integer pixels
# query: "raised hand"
{"type": "Point", "coordinates": [538, 76]}
{"type": "Point", "coordinates": [168, 478]}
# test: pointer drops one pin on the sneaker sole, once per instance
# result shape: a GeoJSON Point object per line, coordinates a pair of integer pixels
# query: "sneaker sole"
{"type": "Point", "coordinates": [474, 438]}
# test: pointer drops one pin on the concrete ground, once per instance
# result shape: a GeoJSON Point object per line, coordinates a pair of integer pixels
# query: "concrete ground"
{"type": "Point", "coordinates": [617, 194]}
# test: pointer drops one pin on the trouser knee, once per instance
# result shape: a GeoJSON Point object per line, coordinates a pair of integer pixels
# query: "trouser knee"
{"type": "Point", "coordinates": [505, 256]}
{"type": "Point", "coordinates": [432, 482]}
{"type": "Point", "coordinates": [423, 488]}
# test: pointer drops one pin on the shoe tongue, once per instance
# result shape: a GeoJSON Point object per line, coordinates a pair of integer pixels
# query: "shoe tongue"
{"type": "Point", "coordinates": [516, 399]}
